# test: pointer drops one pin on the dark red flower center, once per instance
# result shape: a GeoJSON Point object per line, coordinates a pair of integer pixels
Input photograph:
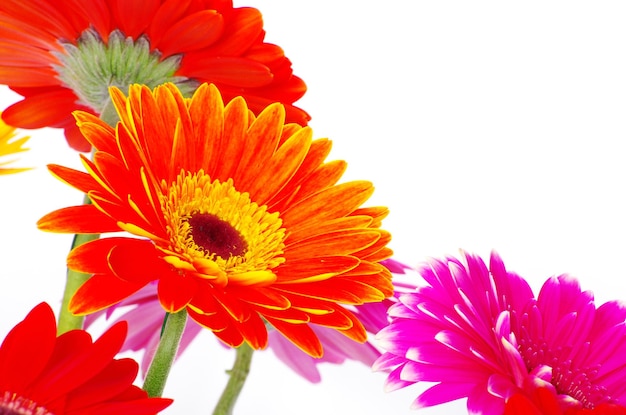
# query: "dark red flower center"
{"type": "Point", "coordinates": [216, 236]}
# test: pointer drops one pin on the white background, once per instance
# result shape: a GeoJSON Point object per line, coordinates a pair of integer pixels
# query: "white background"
{"type": "Point", "coordinates": [484, 125]}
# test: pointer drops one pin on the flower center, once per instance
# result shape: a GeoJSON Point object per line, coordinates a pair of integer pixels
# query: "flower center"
{"type": "Point", "coordinates": [211, 220]}
{"type": "Point", "coordinates": [12, 404]}
{"type": "Point", "coordinates": [90, 67]}
{"type": "Point", "coordinates": [566, 378]}
{"type": "Point", "coordinates": [215, 235]}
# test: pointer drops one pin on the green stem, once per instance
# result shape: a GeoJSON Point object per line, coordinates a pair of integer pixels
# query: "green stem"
{"type": "Point", "coordinates": [238, 375]}
{"type": "Point", "coordinates": [165, 354]}
{"type": "Point", "coordinates": [67, 320]}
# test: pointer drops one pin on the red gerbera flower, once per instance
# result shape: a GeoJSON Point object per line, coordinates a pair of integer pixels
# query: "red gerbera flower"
{"type": "Point", "coordinates": [541, 398]}
{"type": "Point", "coordinates": [242, 221]}
{"type": "Point", "coordinates": [42, 374]}
{"type": "Point", "coordinates": [63, 55]}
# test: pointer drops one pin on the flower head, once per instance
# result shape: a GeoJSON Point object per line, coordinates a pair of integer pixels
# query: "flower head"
{"type": "Point", "coordinates": [8, 147]}
{"type": "Point", "coordinates": [237, 217]}
{"type": "Point", "coordinates": [69, 52]}
{"type": "Point", "coordinates": [480, 333]}
{"type": "Point", "coordinates": [42, 374]}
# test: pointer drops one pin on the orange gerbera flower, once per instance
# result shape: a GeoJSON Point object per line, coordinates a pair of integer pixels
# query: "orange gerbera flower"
{"type": "Point", "coordinates": [10, 147]}
{"type": "Point", "coordinates": [63, 55]}
{"type": "Point", "coordinates": [242, 221]}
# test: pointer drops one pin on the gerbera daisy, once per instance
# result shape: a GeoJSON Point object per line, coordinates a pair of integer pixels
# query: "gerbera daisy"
{"type": "Point", "coordinates": [145, 315]}
{"type": "Point", "coordinates": [8, 147]}
{"type": "Point", "coordinates": [242, 222]}
{"type": "Point", "coordinates": [42, 374]}
{"type": "Point", "coordinates": [69, 52]}
{"type": "Point", "coordinates": [480, 333]}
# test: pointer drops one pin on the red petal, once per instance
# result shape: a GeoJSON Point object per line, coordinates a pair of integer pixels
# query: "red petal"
{"type": "Point", "coordinates": [41, 110]}
{"type": "Point", "coordinates": [74, 136]}
{"type": "Point", "coordinates": [170, 12]}
{"type": "Point", "coordinates": [231, 71]}
{"type": "Point", "coordinates": [193, 32]}
{"type": "Point", "coordinates": [132, 17]}
{"type": "Point", "coordinates": [147, 406]}
{"type": "Point", "coordinates": [94, 13]}
{"type": "Point", "coordinates": [243, 27]}
{"type": "Point", "coordinates": [44, 15]}
{"type": "Point", "coordinates": [26, 349]}
{"type": "Point", "coordinates": [71, 368]}
{"type": "Point", "coordinates": [114, 379]}
{"type": "Point", "coordinates": [518, 404]}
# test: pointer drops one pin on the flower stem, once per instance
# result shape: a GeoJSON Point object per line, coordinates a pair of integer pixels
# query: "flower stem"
{"type": "Point", "coordinates": [67, 320]}
{"type": "Point", "coordinates": [165, 354]}
{"type": "Point", "coordinates": [238, 375]}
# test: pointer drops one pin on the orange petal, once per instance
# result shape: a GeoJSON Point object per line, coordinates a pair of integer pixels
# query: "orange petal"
{"type": "Point", "coordinates": [209, 128]}
{"type": "Point", "coordinates": [261, 142]}
{"type": "Point", "coordinates": [97, 132]}
{"type": "Point", "coordinates": [344, 242]}
{"type": "Point", "coordinates": [78, 179]}
{"type": "Point", "coordinates": [176, 291]}
{"type": "Point", "coordinates": [91, 257]}
{"type": "Point", "coordinates": [254, 331]}
{"type": "Point", "coordinates": [233, 142]}
{"type": "Point", "coordinates": [136, 261]}
{"type": "Point", "coordinates": [308, 230]}
{"type": "Point", "coordinates": [301, 335]}
{"type": "Point", "coordinates": [262, 297]}
{"type": "Point", "coordinates": [330, 203]}
{"type": "Point", "coordinates": [280, 168]}
{"type": "Point", "coordinates": [302, 269]}
{"type": "Point", "coordinates": [77, 219]}
{"type": "Point", "coordinates": [100, 292]}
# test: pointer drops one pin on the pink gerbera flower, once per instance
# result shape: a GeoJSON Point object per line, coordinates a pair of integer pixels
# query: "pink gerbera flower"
{"type": "Point", "coordinates": [480, 334]}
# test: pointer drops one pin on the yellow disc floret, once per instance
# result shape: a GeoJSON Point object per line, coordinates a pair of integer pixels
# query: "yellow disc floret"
{"type": "Point", "coordinates": [219, 231]}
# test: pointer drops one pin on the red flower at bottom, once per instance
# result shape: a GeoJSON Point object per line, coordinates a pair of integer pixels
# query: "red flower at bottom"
{"type": "Point", "coordinates": [541, 398]}
{"type": "Point", "coordinates": [42, 374]}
